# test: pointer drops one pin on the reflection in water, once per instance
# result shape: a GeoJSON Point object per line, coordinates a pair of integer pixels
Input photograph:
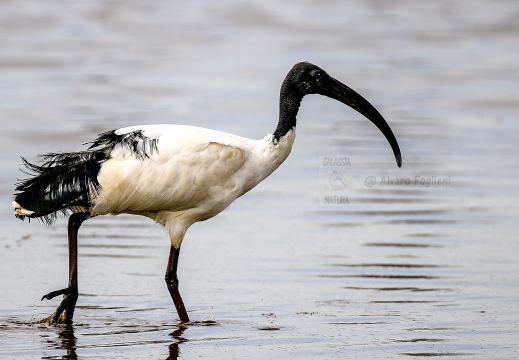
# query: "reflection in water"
{"type": "Point", "coordinates": [66, 340]}
{"type": "Point", "coordinates": [174, 350]}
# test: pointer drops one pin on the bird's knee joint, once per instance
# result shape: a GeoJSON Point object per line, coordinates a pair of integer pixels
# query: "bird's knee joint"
{"type": "Point", "coordinates": [76, 219]}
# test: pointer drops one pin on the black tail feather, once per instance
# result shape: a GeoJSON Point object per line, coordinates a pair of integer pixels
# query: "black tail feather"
{"type": "Point", "coordinates": [67, 182]}
{"type": "Point", "coordinates": [63, 182]}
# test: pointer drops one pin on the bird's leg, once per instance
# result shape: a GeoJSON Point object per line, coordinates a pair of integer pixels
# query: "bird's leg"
{"type": "Point", "coordinates": [65, 310]}
{"type": "Point", "coordinates": [172, 283]}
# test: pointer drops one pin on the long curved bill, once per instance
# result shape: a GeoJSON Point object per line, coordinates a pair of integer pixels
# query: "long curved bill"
{"type": "Point", "coordinates": [336, 90]}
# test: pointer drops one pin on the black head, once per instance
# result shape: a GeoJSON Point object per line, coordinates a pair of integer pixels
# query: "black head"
{"type": "Point", "coordinates": [305, 78]}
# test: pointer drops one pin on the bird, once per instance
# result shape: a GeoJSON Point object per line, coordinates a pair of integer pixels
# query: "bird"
{"type": "Point", "coordinates": [176, 175]}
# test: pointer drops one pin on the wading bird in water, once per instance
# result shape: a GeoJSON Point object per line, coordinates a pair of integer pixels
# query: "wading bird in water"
{"type": "Point", "coordinates": [176, 175]}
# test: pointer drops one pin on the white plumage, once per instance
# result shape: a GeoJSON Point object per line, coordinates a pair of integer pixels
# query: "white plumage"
{"type": "Point", "coordinates": [194, 174]}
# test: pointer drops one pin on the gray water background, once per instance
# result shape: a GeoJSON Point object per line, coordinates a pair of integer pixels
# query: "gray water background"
{"type": "Point", "coordinates": [401, 270]}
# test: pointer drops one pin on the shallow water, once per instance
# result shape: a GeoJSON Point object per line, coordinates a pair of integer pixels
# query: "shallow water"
{"type": "Point", "coordinates": [389, 263]}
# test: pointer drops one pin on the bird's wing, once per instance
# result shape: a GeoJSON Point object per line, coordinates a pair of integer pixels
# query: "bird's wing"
{"type": "Point", "coordinates": [186, 167]}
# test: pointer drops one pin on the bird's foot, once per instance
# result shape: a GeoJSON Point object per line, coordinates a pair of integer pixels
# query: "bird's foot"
{"type": "Point", "coordinates": [65, 311]}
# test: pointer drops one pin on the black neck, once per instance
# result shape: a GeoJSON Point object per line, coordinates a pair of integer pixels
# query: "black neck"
{"type": "Point", "coordinates": [289, 101]}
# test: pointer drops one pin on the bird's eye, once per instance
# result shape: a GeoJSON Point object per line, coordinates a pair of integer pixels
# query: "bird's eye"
{"type": "Point", "coordinates": [316, 74]}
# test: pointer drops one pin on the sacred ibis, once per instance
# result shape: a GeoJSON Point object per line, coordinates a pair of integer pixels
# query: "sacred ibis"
{"type": "Point", "coordinates": [176, 175]}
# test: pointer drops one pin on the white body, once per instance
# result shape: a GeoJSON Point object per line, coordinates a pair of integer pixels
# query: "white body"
{"type": "Point", "coordinates": [195, 174]}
